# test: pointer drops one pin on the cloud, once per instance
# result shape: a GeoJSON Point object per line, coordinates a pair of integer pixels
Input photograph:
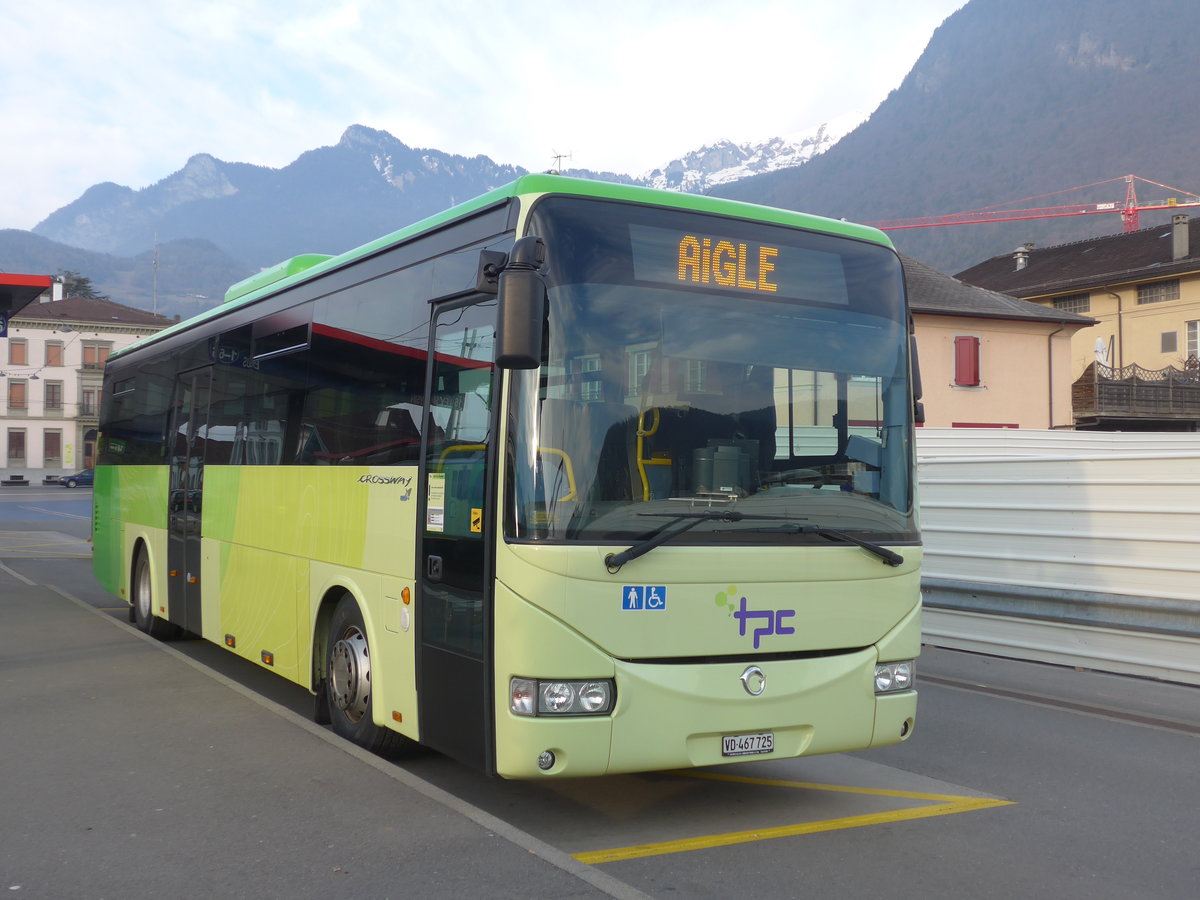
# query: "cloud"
{"type": "Point", "coordinates": [126, 92]}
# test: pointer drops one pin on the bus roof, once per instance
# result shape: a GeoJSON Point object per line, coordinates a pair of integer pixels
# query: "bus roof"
{"type": "Point", "coordinates": [310, 265]}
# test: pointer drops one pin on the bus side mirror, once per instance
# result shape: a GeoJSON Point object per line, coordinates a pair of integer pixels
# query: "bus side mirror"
{"type": "Point", "coordinates": [522, 305]}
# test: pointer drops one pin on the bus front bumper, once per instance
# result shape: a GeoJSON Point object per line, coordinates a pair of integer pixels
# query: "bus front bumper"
{"type": "Point", "coordinates": [671, 716]}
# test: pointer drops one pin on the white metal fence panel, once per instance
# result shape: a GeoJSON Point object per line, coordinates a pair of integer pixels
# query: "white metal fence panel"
{"type": "Point", "coordinates": [939, 442]}
{"type": "Point", "coordinates": [1088, 528]}
{"type": "Point", "coordinates": [1121, 524]}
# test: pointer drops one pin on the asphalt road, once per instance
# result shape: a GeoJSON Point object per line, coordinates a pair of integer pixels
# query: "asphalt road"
{"type": "Point", "coordinates": [1021, 780]}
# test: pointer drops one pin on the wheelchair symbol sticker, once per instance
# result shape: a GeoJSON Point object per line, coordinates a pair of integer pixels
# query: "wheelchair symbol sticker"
{"type": "Point", "coordinates": [643, 597]}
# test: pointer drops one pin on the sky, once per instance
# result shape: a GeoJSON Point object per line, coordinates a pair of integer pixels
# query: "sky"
{"type": "Point", "coordinates": [126, 91]}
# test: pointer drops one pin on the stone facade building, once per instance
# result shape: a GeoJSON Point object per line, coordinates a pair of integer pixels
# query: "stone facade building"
{"type": "Point", "coordinates": [51, 368]}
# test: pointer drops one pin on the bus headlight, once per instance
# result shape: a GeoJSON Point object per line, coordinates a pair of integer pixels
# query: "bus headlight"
{"type": "Point", "coordinates": [594, 696]}
{"type": "Point", "coordinates": [531, 697]}
{"type": "Point", "coordinates": [556, 697]}
{"type": "Point", "coordinates": [895, 676]}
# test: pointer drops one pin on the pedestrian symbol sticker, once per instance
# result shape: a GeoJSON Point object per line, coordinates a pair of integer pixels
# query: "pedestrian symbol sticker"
{"type": "Point", "coordinates": [643, 597]}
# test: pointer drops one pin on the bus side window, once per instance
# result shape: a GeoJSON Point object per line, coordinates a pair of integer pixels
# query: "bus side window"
{"type": "Point", "coordinates": [460, 408]}
{"type": "Point", "coordinates": [366, 381]}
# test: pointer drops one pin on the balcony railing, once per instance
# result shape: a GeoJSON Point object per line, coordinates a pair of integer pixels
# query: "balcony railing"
{"type": "Point", "coordinates": [1131, 392]}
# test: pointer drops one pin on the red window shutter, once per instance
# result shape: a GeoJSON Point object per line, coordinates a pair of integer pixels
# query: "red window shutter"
{"type": "Point", "coordinates": [966, 361]}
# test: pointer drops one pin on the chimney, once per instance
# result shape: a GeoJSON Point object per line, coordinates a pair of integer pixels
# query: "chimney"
{"type": "Point", "coordinates": [1179, 237]}
{"type": "Point", "coordinates": [1021, 255]}
{"type": "Point", "coordinates": [55, 293]}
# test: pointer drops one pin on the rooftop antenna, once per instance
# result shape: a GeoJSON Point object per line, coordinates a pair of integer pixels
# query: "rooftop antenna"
{"type": "Point", "coordinates": [558, 160]}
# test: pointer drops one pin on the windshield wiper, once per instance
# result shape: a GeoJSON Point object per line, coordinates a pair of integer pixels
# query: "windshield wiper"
{"type": "Point", "coordinates": [614, 561]}
{"type": "Point", "coordinates": [891, 557]}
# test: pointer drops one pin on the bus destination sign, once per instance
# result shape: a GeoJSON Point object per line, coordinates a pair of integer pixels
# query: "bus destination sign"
{"type": "Point", "coordinates": [725, 263]}
{"type": "Point", "coordinates": [745, 266]}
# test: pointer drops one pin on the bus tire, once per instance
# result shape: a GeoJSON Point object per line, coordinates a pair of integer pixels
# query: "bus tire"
{"type": "Point", "coordinates": [141, 600]}
{"type": "Point", "coordinates": [347, 684]}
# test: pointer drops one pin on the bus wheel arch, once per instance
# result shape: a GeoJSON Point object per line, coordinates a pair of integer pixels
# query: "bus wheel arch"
{"type": "Point", "coordinates": [344, 693]}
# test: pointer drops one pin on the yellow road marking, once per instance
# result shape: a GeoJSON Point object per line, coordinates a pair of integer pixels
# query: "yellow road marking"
{"type": "Point", "coordinates": [942, 805]}
{"type": "Point", "coordinates": [812, 786]}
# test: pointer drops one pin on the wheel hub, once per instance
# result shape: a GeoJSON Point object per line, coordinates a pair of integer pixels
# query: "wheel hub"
{"type": "Point", "coordinates": [350, 674]}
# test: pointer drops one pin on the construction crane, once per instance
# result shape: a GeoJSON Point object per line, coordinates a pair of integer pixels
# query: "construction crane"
{"type": "Point", "coordinates": [1129, 210]}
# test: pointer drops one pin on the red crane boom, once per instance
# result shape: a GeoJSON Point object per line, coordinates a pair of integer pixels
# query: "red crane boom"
{"type": "Point", "coordinates": [1129, 209]}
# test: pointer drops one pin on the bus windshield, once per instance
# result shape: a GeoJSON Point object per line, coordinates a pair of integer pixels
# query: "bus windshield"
{"type": "Point", "coordinates": [695, 363]}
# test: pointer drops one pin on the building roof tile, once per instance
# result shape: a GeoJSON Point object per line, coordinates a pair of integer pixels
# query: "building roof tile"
{"type": "Point", "coordinates": [1081, 265]}
{"type": "Point", "coordinates": [936, 293]}
{"type": "Point", "coordinates": [92, 312]}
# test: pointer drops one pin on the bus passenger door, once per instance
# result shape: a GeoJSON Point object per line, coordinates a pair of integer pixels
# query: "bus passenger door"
{"type": "Point", "coordinates": [454, 610]}
{"type": "Point", "coordinates": [184, 505]}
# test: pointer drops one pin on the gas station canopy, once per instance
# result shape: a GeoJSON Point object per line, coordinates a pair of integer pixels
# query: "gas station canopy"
{"type": "Point", "coordinates": [17, 292]}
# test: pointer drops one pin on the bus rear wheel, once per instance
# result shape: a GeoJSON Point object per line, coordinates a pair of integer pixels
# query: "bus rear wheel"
{"type": "Point", "coordinates": [348, 684]}
{"type": "Point", "coordinates": [141, 611]}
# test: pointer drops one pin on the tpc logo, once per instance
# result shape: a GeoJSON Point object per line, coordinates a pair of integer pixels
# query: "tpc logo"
{"type": "Point", "coordinates": [771, 620]}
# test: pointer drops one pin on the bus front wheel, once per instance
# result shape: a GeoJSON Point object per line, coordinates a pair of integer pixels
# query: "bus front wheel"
{"type": "Point", "coordinates": [348, 683]}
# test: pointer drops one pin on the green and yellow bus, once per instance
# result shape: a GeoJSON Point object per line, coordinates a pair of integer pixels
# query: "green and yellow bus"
{"type": "Point", "coordinates": [572, 479]}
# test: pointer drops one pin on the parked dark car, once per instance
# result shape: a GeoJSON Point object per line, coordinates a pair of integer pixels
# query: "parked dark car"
{"type": "Point", "coordinates": [87, 477]}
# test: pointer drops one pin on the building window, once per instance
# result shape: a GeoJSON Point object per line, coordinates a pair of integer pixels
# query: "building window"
{"type": "Point", "coordinates": [966, 361]}
{"type": "Point", "coordinates": [591, 387]}
{"type": "Point", "coordinates": [639, 368]}
{"type": "Point", "coordinates": [16, 446]}
{"type": "Point", "coordinates": [1158, 291]}
{"type": "Point", "coordinates": [18, 352]}
{"type": "Point", "coordinates": [1193, 339]}
{"type": "Point", "coordinates": [1075, 303]}
{"type": "Point", "coordinates": [695, 376]}
{"type": "Point", "coordinates": [54, 395]}
{"type": "Point", "coordinates": [52, 448]}
{"type": "Point", "coordinates": [17, 397]}
{"type": "Point", "coordinates": [94, 355]}
{"type": "Point", "coordinates": [88, 406]}
{"type": "Point", "coordinates": [54, 353]}
{"type": "Point", "coordinates": [1170, 342]}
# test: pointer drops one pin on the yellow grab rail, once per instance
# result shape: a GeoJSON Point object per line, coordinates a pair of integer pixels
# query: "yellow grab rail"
{"type": "Point", "coordinates": [642, 433]}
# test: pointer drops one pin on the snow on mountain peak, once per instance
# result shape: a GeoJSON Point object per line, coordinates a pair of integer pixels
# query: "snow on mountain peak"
{"type": "Point", "coordinates": [725, 161]}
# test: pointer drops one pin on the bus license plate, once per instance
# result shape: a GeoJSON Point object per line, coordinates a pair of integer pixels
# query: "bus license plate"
{"type": "Point", "coordinates": [747, 744]}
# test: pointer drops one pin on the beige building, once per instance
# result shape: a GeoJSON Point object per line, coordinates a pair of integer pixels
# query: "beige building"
{"type": "Point", "coordinates": [51, 369]}
{"type": "Point", "coordinates": [988, 360]}
{"type": "Point", "coordinates": [1137, 368]}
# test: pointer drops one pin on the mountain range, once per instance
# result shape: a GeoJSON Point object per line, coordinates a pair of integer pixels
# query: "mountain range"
{"type": "Point", "coordinates": [176, 245]}
{"type": "Point", "coordinates": [1012, 100]}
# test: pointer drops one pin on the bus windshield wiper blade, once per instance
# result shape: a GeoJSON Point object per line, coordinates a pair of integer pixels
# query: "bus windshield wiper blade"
{"type": "Point", "coordinates": [890, 557]}
{"type": "Point", "coordinates": [614, 561]}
